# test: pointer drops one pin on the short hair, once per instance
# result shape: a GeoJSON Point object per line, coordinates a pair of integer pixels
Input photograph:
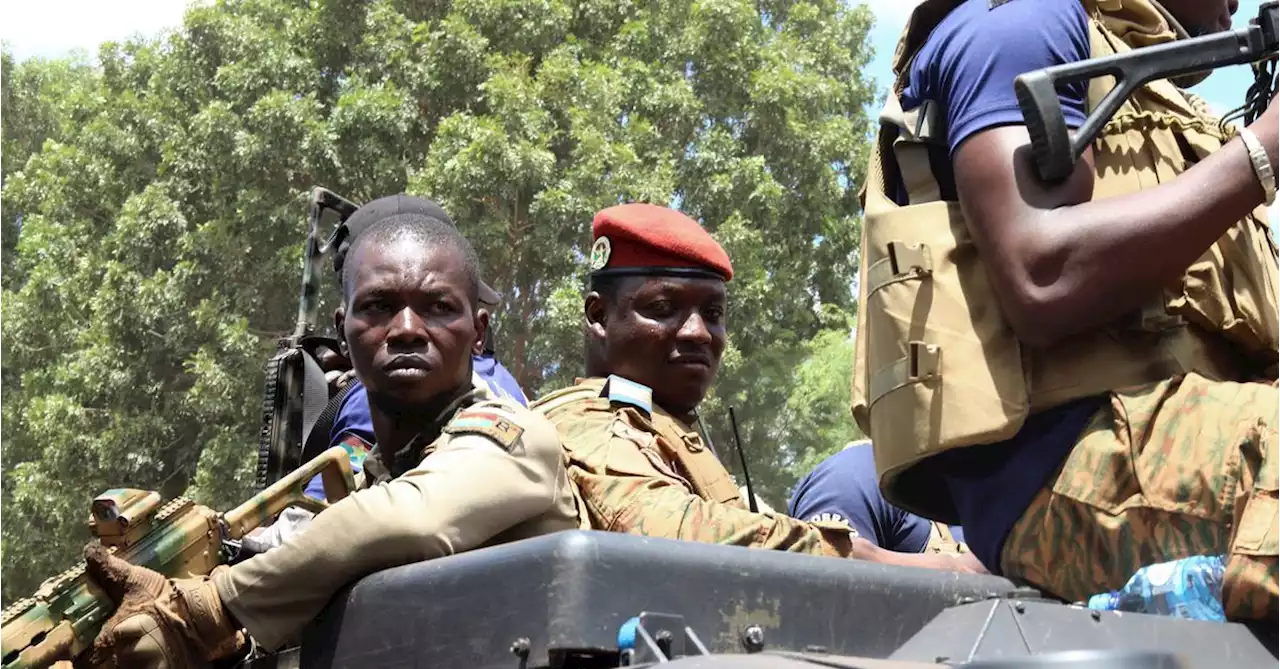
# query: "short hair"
{"type": "Point", "coordinates": [416, 229]}
{"type": "Point", "coordinates": [609, 286]}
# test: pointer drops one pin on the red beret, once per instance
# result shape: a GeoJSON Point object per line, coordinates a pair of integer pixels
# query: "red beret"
{"type": "Point", "coordinates": [647, 239]}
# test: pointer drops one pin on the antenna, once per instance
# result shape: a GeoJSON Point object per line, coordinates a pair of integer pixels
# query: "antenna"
{"type": "Point", "coordinates": [742, 457]}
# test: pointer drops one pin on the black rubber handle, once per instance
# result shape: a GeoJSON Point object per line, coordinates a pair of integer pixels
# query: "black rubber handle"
{"type": "Point", "coordinates": [1050, 139]}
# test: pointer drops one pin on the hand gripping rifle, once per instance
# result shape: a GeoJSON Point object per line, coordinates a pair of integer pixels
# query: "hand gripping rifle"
{"type": "Point", "coordinates": [295, 392]}
{"type": "Point", "coordinates": [179, 539]}
{"type": "Point", "coordinates": [1056, 150]}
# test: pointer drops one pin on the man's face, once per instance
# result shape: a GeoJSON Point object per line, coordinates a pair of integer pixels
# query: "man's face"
{"type": "Point", "coordinates": [409, 324]}
{"type": "Point", "coordinates": [1203, 17]}
{"type": "Point", "coordinates": [666, 333]}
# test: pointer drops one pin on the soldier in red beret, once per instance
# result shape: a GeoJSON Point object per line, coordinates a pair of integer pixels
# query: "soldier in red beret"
{"type": "Point", "coordinates": [655, 317]}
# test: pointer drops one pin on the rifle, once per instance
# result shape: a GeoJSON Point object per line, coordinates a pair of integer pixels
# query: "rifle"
{"type": "Point", "coordinates": [295, 392]}
{"type": "Point", "coordinates": [1056, 151]}
{"type": "Point", "coordinates": [179, 539]}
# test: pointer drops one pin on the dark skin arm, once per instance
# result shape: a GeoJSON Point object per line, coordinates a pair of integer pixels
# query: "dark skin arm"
{"type": "Point", "coordinates": [1061, 263]}
{"type": "Point", "coordinates": [863, 549]}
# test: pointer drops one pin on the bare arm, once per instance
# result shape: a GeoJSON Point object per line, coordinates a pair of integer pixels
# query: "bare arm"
{"type": "Point", "coordinates": [1061, 263]}
{"type": "Point", "coordinates": [962, 562]}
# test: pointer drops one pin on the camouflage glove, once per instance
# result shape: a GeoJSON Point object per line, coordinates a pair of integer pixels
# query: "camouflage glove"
{"type": "Point", "coordinates": [159, 623]}
{"type": "Point", "coordinates": [838, 538]}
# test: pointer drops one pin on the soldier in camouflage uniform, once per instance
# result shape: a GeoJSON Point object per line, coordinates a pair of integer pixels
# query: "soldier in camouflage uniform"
{"type": "Point", "coordinates": [656, 330]}
{"type": "Point", "coordinates": [455, 468]}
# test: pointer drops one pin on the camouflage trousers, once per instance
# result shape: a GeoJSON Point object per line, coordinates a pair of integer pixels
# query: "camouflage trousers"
{"type": "Point", "coordinates": [1179, 468]}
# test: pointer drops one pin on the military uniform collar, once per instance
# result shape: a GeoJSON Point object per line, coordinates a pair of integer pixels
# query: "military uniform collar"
{"type": "Point", "coordinates": [625, 392]}
{"type": "Point", "coordinates": [622, 391]}
{"type": "Point", "coordinates": [412, 453]}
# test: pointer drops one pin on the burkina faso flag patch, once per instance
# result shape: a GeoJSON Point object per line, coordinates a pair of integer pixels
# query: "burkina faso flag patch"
{"type": "Point", "coordinates": [495, 426]}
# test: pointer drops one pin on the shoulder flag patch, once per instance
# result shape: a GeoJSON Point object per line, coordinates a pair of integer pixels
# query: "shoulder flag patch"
{"type": "Point", "coordinates": [487, 423]}
{"type": "Point", "coordinates": [625, 391]}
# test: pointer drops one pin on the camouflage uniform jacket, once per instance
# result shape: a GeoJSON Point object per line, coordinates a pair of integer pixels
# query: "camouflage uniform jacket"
{"type": "Point", "coordinates": [640, 470]}
{"type": "Point", "coordinates": [491, 471]}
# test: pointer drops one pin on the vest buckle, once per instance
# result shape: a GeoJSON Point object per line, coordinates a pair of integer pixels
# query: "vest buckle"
{"type": "Point", "coordinates": [923, 360]}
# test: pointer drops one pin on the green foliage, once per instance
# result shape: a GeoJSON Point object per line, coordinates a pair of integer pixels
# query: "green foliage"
{"type": "Point", "coordinates": [154, 213]}
{"type": "Point", "coordinates": [816, 422]}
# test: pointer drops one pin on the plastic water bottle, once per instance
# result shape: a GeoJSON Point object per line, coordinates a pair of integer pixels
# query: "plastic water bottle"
{"type": "Point", "coordinates": [1187, 588]}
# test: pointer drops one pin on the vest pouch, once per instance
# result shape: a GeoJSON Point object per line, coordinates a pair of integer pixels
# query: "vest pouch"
{"type": "Point", "coordinates": [943, 368]}
{"type": "Point", "coordinates": [701, 468]}
{"type": "Point", "coordinates": [1236, 303]}
{"type": "Point", "coordinates": [1232, 287]}
{"type": "Point", "coordinates": [1239, 302]}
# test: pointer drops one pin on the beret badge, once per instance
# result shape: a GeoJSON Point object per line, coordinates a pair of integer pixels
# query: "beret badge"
{"type": "Point", "coordinates": [600, 254]}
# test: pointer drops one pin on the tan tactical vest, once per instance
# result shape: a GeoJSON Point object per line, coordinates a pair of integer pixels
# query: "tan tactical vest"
{"type": "Point", "coordinates": [937, 366]}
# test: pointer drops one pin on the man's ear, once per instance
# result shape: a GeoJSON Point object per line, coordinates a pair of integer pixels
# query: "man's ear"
{"type": "Point", "coordinates": [482, 326]}
{"type": "Point", "coordinates": [596, 313]}
{"type": "Point", "coordinates": [340, 319]}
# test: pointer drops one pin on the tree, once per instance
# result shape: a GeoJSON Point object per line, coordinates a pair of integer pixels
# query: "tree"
{"type": "Point", "coordinates": [816, 421]}
{"type": "Point", "coordinates": [42, 100]}
{"type": "Point", "coordinates": [161, 198]}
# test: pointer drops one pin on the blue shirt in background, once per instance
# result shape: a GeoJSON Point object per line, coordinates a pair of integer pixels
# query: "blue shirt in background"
{"type": "Point", "coordinates": [500, 381]}
{"type": "Point", "coordinates": [967, 65]}
{"type": "Point", "coordinates": [844, 487]}
{"type": "Point", "coordinates": [353, 426]}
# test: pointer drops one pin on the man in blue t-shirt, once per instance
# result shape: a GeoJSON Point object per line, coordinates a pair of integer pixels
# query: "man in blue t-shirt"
{"type": "Point", "coordinates": [1065, 261]}
{"type": "Point", "coordinates": [968, 65]}
{"type": "Point", "coordinates": [844, 487]}
{"type": "Point", "coordinates": [353, 425]}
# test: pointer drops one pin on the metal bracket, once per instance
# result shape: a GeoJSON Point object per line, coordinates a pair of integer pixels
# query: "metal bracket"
{"type": "Point", "coordinates": [660, 638]}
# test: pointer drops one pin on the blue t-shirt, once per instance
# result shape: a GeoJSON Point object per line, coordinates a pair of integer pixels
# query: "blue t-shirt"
{"type": "Point", "coordinates": [500, 381]}
{"type": "Point", "coordinates": [967, 66]}
{"type": "Point", "coordinates": [844, 487]}
{"type": "Point", "coordinates": [353, 426]}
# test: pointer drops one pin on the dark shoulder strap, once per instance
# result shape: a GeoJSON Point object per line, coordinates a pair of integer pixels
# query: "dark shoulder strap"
{"type": "Point", "coordinates": [318, 438]}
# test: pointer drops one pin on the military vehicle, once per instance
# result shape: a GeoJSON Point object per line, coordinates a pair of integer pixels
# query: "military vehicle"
{"type": "Point", "coordinates": [590, 600]}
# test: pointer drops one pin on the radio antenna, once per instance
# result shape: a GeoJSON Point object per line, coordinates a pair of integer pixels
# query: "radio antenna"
{"type": "Point", "coordinates": [742, 457]}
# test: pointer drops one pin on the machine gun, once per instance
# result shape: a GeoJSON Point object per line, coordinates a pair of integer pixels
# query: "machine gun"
{"type": "Point", "coordinates": [1056, 151]}
{"type": "Point", "coordinates": [179, 539]}
{"type": "Point", "coordinates": [295, 392]}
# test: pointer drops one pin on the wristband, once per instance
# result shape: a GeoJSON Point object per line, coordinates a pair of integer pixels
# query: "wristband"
{"type": "Point", "coordinates": [1261, 165]}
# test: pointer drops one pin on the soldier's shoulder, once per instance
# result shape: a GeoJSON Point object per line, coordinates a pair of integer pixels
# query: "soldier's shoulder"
{"type": "Point", "coordinates": [624, 392]}
{"type": "Point", "coordinates": [505, 422]}
{"type": "Point", "coordinates": [596, 395]}
{"type": "Point", "coordinates": [612, 392]}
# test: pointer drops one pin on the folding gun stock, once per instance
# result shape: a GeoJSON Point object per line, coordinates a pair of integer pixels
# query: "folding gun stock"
{"type": "Point", "coordinates": [334, 467]}
{"type": "Point", "coordinates": [1054, 149]}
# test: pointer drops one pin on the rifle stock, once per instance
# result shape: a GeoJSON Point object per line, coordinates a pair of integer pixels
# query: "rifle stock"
{"type": "Point", "coordinates": [1056, 150]}
{"type": "Point", "coordinates": [179, 539]}
{"type": "Point", "coordinates": [295, 391]}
